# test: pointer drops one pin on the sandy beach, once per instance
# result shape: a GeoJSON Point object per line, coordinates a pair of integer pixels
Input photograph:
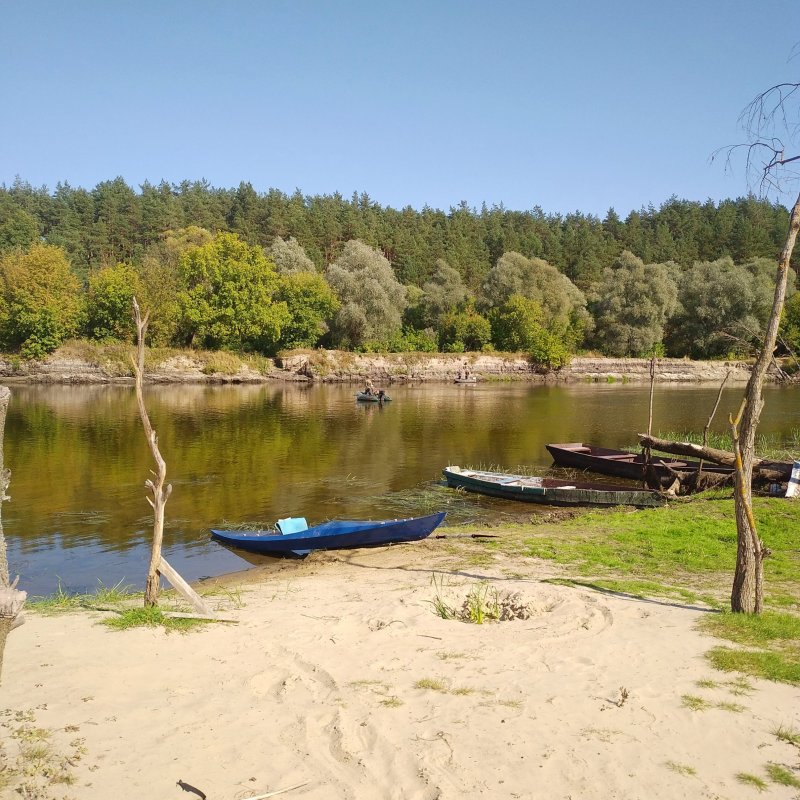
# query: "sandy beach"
{"type": "Point", "coordinates": [340, 681]}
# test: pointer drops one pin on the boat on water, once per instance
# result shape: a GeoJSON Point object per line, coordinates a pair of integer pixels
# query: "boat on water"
{"type": "Point", "coordinates": [363, 397]}
{"type": "Point", "coordinates": [621, 464]}
{"type": "Point", "coordinates": [550, 491]}
{"type": "Point", "coordinates": [293, 537]}
{"type": "Point", "coordinates": [467, 381]}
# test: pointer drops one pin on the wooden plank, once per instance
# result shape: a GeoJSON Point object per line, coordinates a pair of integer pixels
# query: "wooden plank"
{"type": "Point", "coordinates": [183, 588]}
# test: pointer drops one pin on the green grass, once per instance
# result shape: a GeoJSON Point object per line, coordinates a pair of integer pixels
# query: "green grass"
{"type": "Point", "coordinates": [61, 602]}
{"type": "Point", "coordinates": [681, 769]}
{"type": "Point", "coordinates": [433, 684]}
{"type": "Point", "coordinates": [150, 618]}
{"type": "Point", "coordinates": [771, 642]}
{"type": "Point", "coordinates": [788, 735]}
{"type": "Point", "coordinates": [783, 776]}
{"type": "Point", "coordinates": [690, 542]}
{"type": "Point", "coordinates": [752, 780]}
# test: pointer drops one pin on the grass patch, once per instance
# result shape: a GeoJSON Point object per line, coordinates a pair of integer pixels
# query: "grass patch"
{"type": "Point", "coordinates": [752, 780]}
{"type": "Point", "coordinates": [681, 769]}
{"type": "Point", "coordinates": [433, 684]}
{"type": "Point", "coordinates": [760, 664]}
{"type": "Point", "coordinates": [151, 618]}
{"type": "Point", "coordinates": [770, 638]}
{"type": "Point", "coordinates": [783, 776]}
{"type": "Point", "coordinates": [789, 735]}
{"type": "Point", "coordinates": [391, 702]}
{"type": "Point", "coordinates": [695, 703]}
{"type": "Point", "coordinates": [61, 602]}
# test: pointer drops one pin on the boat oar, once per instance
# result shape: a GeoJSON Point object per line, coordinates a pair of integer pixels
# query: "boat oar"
{"type": "Point", "coordinates": [465, 536]}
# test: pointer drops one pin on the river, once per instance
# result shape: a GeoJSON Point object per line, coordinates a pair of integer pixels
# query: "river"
{"type": "Point", "coordinates": [248, 455]}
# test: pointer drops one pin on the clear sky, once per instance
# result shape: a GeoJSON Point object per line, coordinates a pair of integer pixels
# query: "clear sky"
{"type": "Point", "coordinates": [565, 105]}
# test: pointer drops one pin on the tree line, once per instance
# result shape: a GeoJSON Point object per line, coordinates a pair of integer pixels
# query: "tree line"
{"type": "Point", "coordinates": [232, 268]}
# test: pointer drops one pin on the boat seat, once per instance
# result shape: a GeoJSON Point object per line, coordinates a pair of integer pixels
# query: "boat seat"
{"type": "Point", "coordinates": [292, 525]}
{"type": "Point", "coordinates": [622, 457]}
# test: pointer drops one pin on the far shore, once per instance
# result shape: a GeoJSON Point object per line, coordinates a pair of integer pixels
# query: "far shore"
{"type": "Point", "coordinates": [82, 363]}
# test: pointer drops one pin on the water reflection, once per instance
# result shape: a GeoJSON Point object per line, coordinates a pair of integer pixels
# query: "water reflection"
{"type": "Point", "coordinates": [252, 453]}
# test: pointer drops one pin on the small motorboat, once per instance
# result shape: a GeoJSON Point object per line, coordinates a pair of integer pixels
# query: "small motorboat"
{"type": "Point", "coordinates": [293, 537]}
{"type": "Point", "coordinates": [550, 491]}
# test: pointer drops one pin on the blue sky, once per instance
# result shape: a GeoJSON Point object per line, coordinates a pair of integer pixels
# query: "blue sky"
{"type": "Point", "coordinates": [568, 106]}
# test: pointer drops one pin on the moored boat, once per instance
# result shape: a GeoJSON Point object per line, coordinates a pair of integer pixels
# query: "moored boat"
{"type": "Point", "coordinates": [549, 491]}
{"type": "Point", "coordinates": [621, 464]}
{"type": "Point", "coordinates": [293, 536]}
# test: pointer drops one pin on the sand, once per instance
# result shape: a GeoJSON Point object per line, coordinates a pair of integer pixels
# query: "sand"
{"type": "Point", "coordinates": [340, 681]}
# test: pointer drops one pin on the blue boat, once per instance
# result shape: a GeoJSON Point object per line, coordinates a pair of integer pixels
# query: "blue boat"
{"type": "Point", "coordinates": [293, 537]}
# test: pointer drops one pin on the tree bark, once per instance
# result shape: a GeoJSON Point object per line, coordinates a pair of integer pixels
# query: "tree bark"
{"type": "Point", "coordinates": [747, 591]}
{"type": "Point", "coordinates": [12, 599]}
{"type": "Point", "coordinates": [160, 493]}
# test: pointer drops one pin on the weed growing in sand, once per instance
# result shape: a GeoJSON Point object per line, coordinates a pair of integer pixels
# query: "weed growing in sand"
{"type": "Point", "coordinates": [781, 775]}
{"type": "Point", "coordinates": [434, 684]}
{"type": "Point", "coordinates": [151, 618]}
{"type": "Point", "coordinates": [681, 769]}
{"type": "Point", "coordinates": [483, 603]}
{"type": "Point", "coordinates": [706, 683]}
{"type": "Point", "coordinates": [734, 708]}
{"type": "Point", "coordinates": [752, 780]}
{"type": "Point", "coordinates": [789, 735]}
{"type": "Point", "coordinates": [392, 702]}
{"type": "Point", "coordinates": [450, 656]}
{"type": "Point", "coordinates": [740, 686]}
{"type": "Point", "coordinates": [61, 602]}
{"type": "Point", "coordinates": [694, 703]}
{"type": "Point", "coordinates": [31, 763]}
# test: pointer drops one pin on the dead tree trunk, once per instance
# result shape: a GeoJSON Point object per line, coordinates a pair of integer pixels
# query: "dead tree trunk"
{"type": "Point", "coordinates": [159, 492]}
{"type": "Point", "coordinates": [768, 470]}
{"type": "Point", "coordinates": [747, 591]}
{"type": "Point", "coordinates": [11, 599]}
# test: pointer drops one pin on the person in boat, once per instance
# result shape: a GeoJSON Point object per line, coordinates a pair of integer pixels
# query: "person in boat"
{"type": "Point", "coordinates": [369, 387]}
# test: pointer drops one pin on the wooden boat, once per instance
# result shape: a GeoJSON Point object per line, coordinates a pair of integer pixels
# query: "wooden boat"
{"type": "Point", "coordinates": [293, 537]}
{"type": "Point", "coordinates": [363, 397]}
{"type": "Point", "coordinates": [550, 491]}
{"type": "Point", "coordinates": [621, 464]}
{"type": "Point", "coordinates": [467, 381]}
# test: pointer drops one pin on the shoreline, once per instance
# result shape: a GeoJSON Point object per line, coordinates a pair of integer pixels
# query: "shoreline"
{"type": "Point", "coordinates": [329, 366]}
{"type": "Point", "coordinates": [341, 681]}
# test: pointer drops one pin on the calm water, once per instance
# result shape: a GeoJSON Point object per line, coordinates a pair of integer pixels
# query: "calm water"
{"type": "Point", "coordinates": [247, 455]}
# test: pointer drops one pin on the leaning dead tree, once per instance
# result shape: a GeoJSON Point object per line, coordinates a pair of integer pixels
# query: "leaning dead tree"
{"type": "Point", "coordinates": [160, 493]}
{"type": "Point", "coordinates": [11, 599]}
{"type": "Point", "coordinates": [773, 112]}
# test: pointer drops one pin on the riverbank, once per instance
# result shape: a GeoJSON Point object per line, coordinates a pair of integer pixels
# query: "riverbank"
{"type": "Point", "coordinates": [340, 680]}
{"type": "Point", "coordinates": [85, 363]}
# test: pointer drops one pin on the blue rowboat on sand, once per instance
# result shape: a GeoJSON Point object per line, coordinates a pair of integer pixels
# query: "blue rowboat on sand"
{"type": "Point", "coordinates": [294, 538]}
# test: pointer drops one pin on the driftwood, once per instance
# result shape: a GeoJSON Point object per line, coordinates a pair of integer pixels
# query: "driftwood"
{"type": "Point", "coordinates": [183, 588]}
{"type": "Point", "coordinates": [778, 471]}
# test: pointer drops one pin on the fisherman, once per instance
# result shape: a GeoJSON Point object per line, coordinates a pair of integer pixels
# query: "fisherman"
{"type": "Point", "coordinates": [369, 387]}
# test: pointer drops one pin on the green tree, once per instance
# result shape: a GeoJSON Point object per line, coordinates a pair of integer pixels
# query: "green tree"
{"type": "Point", "coordinates": [18, 228]}
{"type": "Point", "coordinates": [372, 299]}
{"type": "Point", "coordinates": [109, 299]}
{"type": "Point", "coordinates": [161, 281]}
{"type": "Point", "coordinates": [289, 256]}
{"type": "Point", "coordinates": [631, 306]}
{"type": "Point", "coordinates": [563, 305]}
{"type": "Point", "coordinates": [723, 308]}
{"type": "Point", "coordinates": [228, 297]}
{"type": "Point", "coordinates": [519, 326]}
{"type": "Point", "coordinates": [463, 331]}
{"type": "Point", "coordinates": [443, 293]}
{"type": "Point", "coordinates": [40, 300]}
{"type": "Point", "coordinates": [311, 304]}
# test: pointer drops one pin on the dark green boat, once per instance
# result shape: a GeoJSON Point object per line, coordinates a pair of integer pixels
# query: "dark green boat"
{"type": "Point", "coordinates": [550, 491]}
